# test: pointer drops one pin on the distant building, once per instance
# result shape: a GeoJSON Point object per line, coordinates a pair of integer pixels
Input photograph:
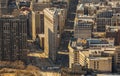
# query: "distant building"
{"type": "Point", "coordinates": [82, 29]}
{"type": "Point", "coordinates": [37, 23]}
{"type": "Point", "coordinates": [37, 17]}
{"type": "Point", "coordinates": [61, 18]}
{"type": "Point", "coordinates": [50, 31]}
{"type": "Point", "coordinates": [62, 5]}
{"type": "Point", "coordinates": [59, 3]}
{"type": "Point", "coordinates": [13, 38]}
{"type": "Point", "coordinates": [103, 19]}
{"type": "Point", "coordinates": [23, 4]}
{"type": "Point", "coordinates": [100, 43]}
{"type": "Point", "coordinates": [86, 9]}
{"type": "Point", "coordinates": [3, 6]}
{"type": "Point", "coordinates": [39, 5]}
{"type": "Point", "coordinates": [84, 21]}
{"type": "Point", "coordinates": [7, 7]}
{"type": "Point", "coordinates": [114, 30]}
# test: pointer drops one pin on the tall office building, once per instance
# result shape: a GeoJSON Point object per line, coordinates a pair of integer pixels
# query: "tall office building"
{"type": "Point", "coordinates": [37, 23]}
{"type": "Point", "coordinates": [50, 30]}
{"type": "Point", "coordinates": [37, 17]}
{"type": "Point", "coordinates": [13, 37]}
{"type": "Point", "coordinates": [62, 18]}
{"type": "Point", "coordinates": [7, 6]}
{"type": "Point", "coordinates": [3, 6]}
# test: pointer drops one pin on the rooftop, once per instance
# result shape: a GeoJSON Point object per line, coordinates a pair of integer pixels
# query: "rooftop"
{"type": "Point", "coordinates": [100, 58]}
{"type": "Point", "coordinates": [51, 10]}
{"type": "Point", "coordinates": [92, 42]}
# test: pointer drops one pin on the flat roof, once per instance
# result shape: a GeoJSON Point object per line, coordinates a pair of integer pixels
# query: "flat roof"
{"type": "Point", "coordinates": [100, 58]}
{"type": "Point", "coordinates": [108, 74]}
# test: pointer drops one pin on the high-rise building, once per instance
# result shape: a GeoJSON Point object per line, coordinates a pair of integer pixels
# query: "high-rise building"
{"type": "Point", "coordinates": [37, 16]}
{"type": "Point", "coordinates": [7, 6]}
{"type": "Point", "coordinates": [3, 6]}
{"type": "Point", "coordinates": [50, 31]}
{"type": "Point", "coordinates": [37, 23]}
{"type": "Point", "coordinates": [13, 37]}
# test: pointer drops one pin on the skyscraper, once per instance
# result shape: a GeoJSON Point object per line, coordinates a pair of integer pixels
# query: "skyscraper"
{"type": "Point", "coordinates": [13, 37]}
{"type": "Point", "coordinates": [37, 23]}
{"type": "Point", "coordinates": [3, 6]}
{"type": "Point", "coordinates": [7, 6]}
{"type": "Point", "coordinates": [50, 30]}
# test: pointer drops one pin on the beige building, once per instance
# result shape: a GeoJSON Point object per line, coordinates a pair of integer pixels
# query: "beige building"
{"type": "Point", "coordinates": [39, 5]}
{"type": "Point", "coordinates": [33, 31]}
{"type": "Point", "coordinates": [50, 31]}
{"type": "Point", "coordinates": [41, 38]}
{"type": "Point", "coordinates": [90, 58]}
{"type": "Point", "coordinates": [83, 23]}
{"type": "Point", "coordinates": [107, 20]}
{"type": "Point", "coordinates": [95, 63]}
{"type": "Point", "coordinates": [82, 29]}
{"type": "Point", "coordinates": [117, 58]}
{"type": "Point", "coordinates": [61, 18]}
{"type": "Point", "coordinates": [37, 23]}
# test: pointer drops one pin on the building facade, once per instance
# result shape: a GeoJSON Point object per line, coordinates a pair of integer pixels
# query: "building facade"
{"type": "Point", "coordinates": [13, 38]}
{"type": "Point", "coordinates": [3, 6]}
{"type": "Point", "coordinates": [7, 6]}
{"type": "Point", "coordinates": [37, 23]}
{"type": "Point", "coordinates": [117, 58]}
{"type": "Point", "coordinates": [90, 59]}
{"type": "Point", "coordinates": [82, 29]}
{"type": "Point", "coordinates": [50, 31]}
